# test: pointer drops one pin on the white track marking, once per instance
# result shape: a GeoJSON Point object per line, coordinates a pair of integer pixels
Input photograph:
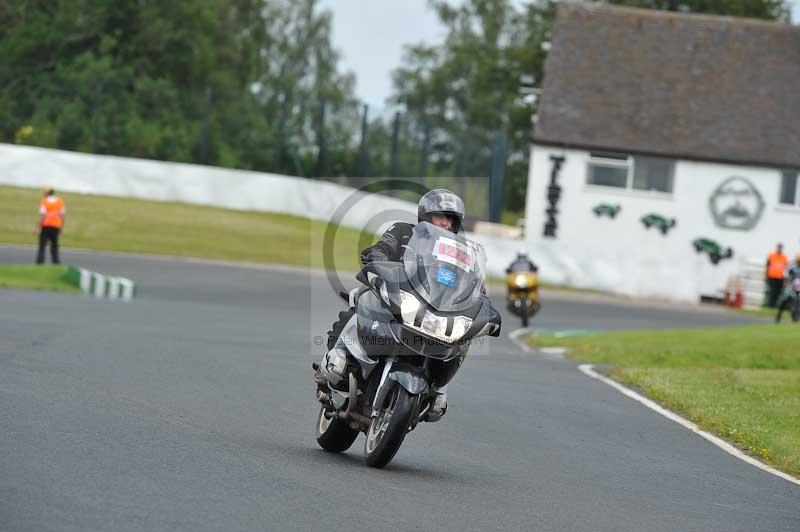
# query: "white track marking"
{"type": "Point", "coordinates": [588, 369]}
{"type": "Point", "coordinates": [522, 344]}
{"type": "Point", "coordinates": [553, 353]}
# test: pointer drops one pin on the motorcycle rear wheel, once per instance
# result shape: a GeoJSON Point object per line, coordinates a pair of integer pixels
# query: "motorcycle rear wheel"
{"type": "Point", "coordinates": [387, 431]}
{"type": "Point", "coordinates": [334, 435]}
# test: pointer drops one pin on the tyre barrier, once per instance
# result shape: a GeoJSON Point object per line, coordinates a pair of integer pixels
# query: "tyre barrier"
{"type": "Point", "coordinates": [102, 286]}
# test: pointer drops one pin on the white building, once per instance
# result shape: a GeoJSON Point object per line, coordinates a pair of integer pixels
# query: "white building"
{"type": "Point", "coordinates": [657, 117]}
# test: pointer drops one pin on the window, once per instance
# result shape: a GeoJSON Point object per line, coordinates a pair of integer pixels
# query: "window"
{"type": "Point", "coordinates": [789, 188]}
{"type": "Point", "coordinates": [650, 173]}
{"type": "Point", "coordinates": [629, 172]}
{"type": "Point", "coordinates": [609, 170]}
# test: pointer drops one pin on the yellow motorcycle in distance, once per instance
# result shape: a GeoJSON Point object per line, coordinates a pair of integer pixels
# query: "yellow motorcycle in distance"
{"type": "Point", "coordinates": [522, 283]}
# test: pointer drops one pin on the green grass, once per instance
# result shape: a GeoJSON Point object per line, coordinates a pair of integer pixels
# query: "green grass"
{"type": "Point", "coordinates": [742, 384]}
{"type": "Point", "coordinates": [36, 277]}
{"type": "Point", "coordinates": [116, 224]}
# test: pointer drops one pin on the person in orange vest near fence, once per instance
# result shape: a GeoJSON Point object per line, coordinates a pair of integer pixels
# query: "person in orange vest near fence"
{"type": "Point", "coordinates": [776, 265]}
{"type": "Point", "coordinates": [51, 221]}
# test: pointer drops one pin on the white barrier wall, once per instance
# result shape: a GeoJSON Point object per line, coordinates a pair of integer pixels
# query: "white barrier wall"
{"type": "Point", "coordinates": [621, 255]}
{"type": "Point", "coordinates": [26, 166]}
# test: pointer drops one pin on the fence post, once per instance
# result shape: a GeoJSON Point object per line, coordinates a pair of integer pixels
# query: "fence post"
{"type": "Point", "coordinates": [426, 144]}
{"type": "Point", "coordinates": [497, 177]}
{"type": "Point", "coordinates": [281, 144]}
{"type": "Point", "coordinates": [205, 134]}
{"type": "Point", "coordinates": [98, 99]}
{"type": "Point", "coordinates": [395, 140]}
{"type": "Point", "coordinates": [362, 149]}
{"type": "Point", "coordinates": [322, 153]}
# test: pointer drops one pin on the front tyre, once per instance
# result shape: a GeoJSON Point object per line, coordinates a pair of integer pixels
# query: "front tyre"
{"type": "Point", "coordinates": [334, 435]}
{"type": "Point", "coordinates": [524, 309]}
{"type": "Point", "coordinates": [389, 428]}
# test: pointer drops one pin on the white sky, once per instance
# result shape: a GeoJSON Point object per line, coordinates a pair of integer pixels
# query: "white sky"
{"type": "Point", "coordinates": [370, 35]}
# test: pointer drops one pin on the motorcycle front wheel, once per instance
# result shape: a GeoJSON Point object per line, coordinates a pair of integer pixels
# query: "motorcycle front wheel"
{"type": "Point", "coordinates": [388, 429]}
{"type": "Point", "coordinates": [524, 310]}
{"type": "Point", "coordinates": [796, 311]}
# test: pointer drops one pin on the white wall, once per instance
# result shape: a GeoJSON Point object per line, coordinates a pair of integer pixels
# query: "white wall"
{"type": "Point", "coordinates": [621, 255]}
{"type": "Point", "coordinates": [26, 166]}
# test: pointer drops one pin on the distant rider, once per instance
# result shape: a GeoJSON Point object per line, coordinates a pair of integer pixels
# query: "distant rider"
{"type": "Point", "coordinates": [522, 264]}
{"type": "Point", "coordinates": [441, 208]}
{"type": "Point", "coordinates": [792, 273]}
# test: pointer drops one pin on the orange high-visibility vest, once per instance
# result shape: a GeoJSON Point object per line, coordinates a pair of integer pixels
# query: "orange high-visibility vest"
{"type": "Point", "coordinates": [776, 264]}
{"type": "Point", "coordinates": [52, 208]}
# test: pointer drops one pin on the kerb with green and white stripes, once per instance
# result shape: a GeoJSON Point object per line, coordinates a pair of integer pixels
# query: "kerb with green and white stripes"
{"type": "Point", "coordinates": [99, 285]}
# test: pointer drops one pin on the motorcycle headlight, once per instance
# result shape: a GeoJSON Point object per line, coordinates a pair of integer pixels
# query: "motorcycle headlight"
{"type": "Point", "coordinates": [521, 281]}
{"type": "Point", "coordinates": [460, 326]}
{"type": "Point", "coordinates": [432, 324]}
{"type": "Point", "coordinates": [436, 326]}
{"type": "Point", "coordinates": [409, 306]}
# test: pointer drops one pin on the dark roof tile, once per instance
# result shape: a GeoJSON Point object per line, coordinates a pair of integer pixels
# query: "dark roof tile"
{"type": "Point", "coordinates": [688, 86]}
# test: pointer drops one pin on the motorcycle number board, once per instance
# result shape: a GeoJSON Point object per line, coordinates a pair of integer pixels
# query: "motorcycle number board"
{"type": "Point", "coordinates": [455, 253]}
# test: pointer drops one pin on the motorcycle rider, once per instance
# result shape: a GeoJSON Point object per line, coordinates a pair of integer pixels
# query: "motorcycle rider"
{"type": "Point", "coordinates": [443, 209]}
{"type": "Point", "coordinates": [792, 273]}
{"type": "Point", "coordinates": [522, 264]}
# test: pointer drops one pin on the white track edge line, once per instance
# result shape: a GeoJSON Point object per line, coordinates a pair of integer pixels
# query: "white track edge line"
{"type": "Point", "coordinates": [588, 369]}
{"type": "Point", "coordinates": [514, 336]}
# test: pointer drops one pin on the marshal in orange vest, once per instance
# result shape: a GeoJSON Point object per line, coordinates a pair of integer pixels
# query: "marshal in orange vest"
{"type": "Point", "coordinates": [52, 210]}
{"type": "Point", "coordinates": [776, 265]}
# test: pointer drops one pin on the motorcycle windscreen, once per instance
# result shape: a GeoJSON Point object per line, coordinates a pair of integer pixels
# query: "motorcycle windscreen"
{"type": "Point", "coordinates": [447, 270]}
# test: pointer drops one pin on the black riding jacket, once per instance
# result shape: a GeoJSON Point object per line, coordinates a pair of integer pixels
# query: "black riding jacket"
{"type": "Point", "coordinates": [390, 245]}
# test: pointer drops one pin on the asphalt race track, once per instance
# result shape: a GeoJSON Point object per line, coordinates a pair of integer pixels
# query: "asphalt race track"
{"type": "Point", "coordinates": [192, 409]}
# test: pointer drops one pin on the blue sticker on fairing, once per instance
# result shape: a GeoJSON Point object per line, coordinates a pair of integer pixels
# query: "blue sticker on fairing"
{"type": "Point", "coordinates": [446, 277]}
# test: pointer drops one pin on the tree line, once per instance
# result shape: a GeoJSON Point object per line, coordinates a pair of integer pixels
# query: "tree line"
{"type": "Point", "coordinates": [256, 84]}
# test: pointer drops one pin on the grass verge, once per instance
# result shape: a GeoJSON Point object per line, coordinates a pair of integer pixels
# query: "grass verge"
{"type": "Point", "coordinates": [136, 226]}
{"type": "Point", "coordinates": [36, 277]}
{"type": "Point", "coordinates": [742, 383]}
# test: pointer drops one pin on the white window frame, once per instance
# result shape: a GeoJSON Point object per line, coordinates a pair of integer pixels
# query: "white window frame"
{"type": "Point", "coordinates": [629, 162]}
{"type": "Point", "coordinates": [611, 162]}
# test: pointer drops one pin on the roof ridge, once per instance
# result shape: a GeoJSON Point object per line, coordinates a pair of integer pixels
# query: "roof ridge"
{"type": "Point", "coordinates": [571, 5]}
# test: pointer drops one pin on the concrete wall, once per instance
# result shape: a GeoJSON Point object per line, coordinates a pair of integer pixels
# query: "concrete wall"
{"type": "Point", "coordinates": [621, 255]}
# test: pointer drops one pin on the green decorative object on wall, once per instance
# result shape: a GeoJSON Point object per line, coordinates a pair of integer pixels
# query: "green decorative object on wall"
{"type": "Point", "coordinates": [606, 209]}
{"type": "Point", "coordinates": [663, 223]}
{"type": "Point", "coordinates": [714, 250]}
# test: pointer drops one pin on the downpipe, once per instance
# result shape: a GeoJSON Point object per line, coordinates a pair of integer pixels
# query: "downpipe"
{"type": "Point", "coordinates": [355, 418]}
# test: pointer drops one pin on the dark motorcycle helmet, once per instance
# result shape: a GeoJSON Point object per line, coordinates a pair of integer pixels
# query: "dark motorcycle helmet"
{"type": "Point", "coordinates": [441, 201]}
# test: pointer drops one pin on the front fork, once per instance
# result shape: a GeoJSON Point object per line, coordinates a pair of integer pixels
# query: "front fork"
{"type": "Point", "coordinates": [413, 379]}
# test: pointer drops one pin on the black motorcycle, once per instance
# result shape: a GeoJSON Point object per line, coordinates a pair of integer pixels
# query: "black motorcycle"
{"type": "Point", "coordinates": [403, 339]}
{"type": "Point", "coordinates": [790, 302]}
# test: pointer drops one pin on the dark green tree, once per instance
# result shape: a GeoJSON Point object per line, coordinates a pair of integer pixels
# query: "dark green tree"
{"type": "Point", "coordinates": [228, 82]}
